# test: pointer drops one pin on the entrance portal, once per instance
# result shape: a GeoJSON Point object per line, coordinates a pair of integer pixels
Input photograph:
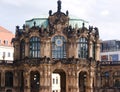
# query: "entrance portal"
{"type": "Point", "coordinates": [34, 81]}
{"type": "Point", "coordinates": [58, 81]}
{"type": "Point", "coordinates": [82, 81]}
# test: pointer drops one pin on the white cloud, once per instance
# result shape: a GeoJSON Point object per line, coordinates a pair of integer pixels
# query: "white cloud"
{"type": "Point", "coordinates": [13, 2]}
{"type": "Point", "coordinates": [98, 12]}
{"type": "Point", "coordinates": [105, 13]}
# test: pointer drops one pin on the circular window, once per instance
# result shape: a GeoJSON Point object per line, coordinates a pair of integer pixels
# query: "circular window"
{"type": "Point", "coordinates": [59, 42]}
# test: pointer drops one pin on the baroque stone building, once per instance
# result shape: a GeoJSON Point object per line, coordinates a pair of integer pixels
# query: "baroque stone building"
{"type": "Point", "coordinates": [39, 52]}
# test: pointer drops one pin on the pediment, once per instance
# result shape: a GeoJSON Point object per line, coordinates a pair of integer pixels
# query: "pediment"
{"type": "Point", "coordinates": [58, 18]}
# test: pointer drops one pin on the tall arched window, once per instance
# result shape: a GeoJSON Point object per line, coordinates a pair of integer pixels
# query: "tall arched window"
{"type": "Point", "coordinates": [58, 47]}
{"type": "Point", "coordinates": [34, 47]}
{"type": "Point", "coordinates": [22, 49]}
{"type": "Point", "coordinates": [82, 48]}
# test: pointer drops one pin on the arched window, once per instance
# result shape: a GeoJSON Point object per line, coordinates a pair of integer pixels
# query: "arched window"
{"type": "Point", "coordinates": [105, 79]}
{"type": "Point", "coordinates": [82, 48]}
{"type": "Point", "coordinates": [116, 77]}
{"type": "Point", "coordinates": [58, 47]}
{"type": "Point", "coordinates": [9, 79]}
{"type": "Point", "coordinates": [22, 49]}
{"type": "Point", "coordinates": [9, 90]}
{"type": "Point", "coordinates": [34, 47]}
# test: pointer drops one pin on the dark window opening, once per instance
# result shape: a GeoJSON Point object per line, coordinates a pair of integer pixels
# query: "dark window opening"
{"type": "Point", "coordinates": [9, 79]}
{"type": "Point", "coordinates": [35, 81]}
{"type": "Point", "coordinates": [22, 49]}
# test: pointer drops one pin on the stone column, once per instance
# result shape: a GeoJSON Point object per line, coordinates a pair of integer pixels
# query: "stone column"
{"type": "Point", "coordinates": [90, 53]}
{"type": "Point", "coordinates": [71, 81]}
{"type": "Point", "coordinates": [15, 81]}
{"type": "Point", "coordinates": [91, 80]}
{"type": "Point", "coordinates": [42, 48]}
{"type": "Point", "coordinates": [45, 79]}
{"type": "Point", "coordinates": [26, 81]}
{"type": "Point", "coordinates": [27, 47]}
{"type": "Point", "coordinates": [47, 49]}
{"type": "Point", "coordinates": [17, 50]}
{"type": "Point", "coordinates": [97, 54]}
{"type": "Point", "coordinates": [111, 83]}
{"type": "Point", "coordinates": [76, 50]}
{"type": "Point", "coordinates": [3, 78]}
{"type": "Point", "coordinates": [98, 79]}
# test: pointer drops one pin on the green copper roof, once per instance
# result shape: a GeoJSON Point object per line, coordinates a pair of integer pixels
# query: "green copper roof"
{"type": "Point", "coordinates": [74, 21]}
{"type": "Point", "coordinates": [39, 22]}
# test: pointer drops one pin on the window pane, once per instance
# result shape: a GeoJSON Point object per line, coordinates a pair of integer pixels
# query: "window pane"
{"type": "Point", "coordinates": [58, 47]}
{"type": "Point", "coordinates": [82, 48]}
{"type": "Point", "coordinates": [34, 47]}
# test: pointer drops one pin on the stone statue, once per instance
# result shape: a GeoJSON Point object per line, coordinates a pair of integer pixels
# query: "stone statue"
{"type": "Point", "coordinates": [50, 12]}
{"type": "Point", "coordinates": [96, 32]}
{"type": "Point", "coordinates": [67, 13]}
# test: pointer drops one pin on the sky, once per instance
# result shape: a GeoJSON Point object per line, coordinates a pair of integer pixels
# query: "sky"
{"type": "Point", "coordinates": [104, 14]}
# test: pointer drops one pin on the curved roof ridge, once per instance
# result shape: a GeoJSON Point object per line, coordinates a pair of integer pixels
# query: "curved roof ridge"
{"type": "Point", "coordinates": [2, 29]}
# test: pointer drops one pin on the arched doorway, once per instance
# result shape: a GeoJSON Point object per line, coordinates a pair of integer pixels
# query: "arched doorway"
{"type": "Point", "coordinates": [9, 79]}
{"type": "Point", "coordinates": [58, 81]}
{"type": "Point", "coordinates": [9, 90]}
{"type": "Point", "coordinates": [34, 81]}
{"type": "Point", "coordinates": [21, 80]}
{"type": "Point", "coordinates": [82, 81]}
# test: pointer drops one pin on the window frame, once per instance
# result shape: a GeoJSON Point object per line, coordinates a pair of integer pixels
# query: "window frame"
{"type": "Point", "coordinates": [83, 53]}
{"type": "Point", "coordinates": [58, 52]}
{"type": "Point", "coordinates": [34, 47]}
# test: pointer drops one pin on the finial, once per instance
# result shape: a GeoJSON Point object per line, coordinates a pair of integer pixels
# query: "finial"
{"type": "Point", "coordinates": [83, 24]}
{"type": "Point", "coordinates": [24, 27]}
{"type": "Point", "coordinates": [59, 5]}
{"type": "Point", "coordinates": [67, 12]}
{"type": "Point", "coordinates": [17, 27]}
{"type": "Point", "coordinates": [34, 23]}
{"type": "Point", "coordinates": [50, 12]}
{"type": "Point", "coordinates": [90, 28]}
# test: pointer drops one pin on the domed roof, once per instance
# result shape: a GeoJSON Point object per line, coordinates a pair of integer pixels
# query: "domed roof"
{"type": "Point", "coordinates": [43, 20]}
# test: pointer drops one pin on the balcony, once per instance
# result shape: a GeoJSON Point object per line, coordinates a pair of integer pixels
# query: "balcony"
{"type": "Point", "coordinates": [109, 63]}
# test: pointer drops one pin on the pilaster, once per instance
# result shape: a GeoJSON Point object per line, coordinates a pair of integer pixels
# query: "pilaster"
{"type": "Point", "coordinates": [26, 81]}
{"type": "Point", "coordinates": [27, 47]}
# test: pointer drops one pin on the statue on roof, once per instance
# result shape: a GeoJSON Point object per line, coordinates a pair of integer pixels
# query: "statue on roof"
{"type": "Point", "coordinates": [50, 12]}
{"type": "Point", "coordinates": [59, 5]}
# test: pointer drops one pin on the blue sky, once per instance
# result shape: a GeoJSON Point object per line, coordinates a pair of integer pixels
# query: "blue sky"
{"type": "Point", "coordinates": [104, 14]}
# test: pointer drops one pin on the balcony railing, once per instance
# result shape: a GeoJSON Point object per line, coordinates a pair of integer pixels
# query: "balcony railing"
{"type": "Point", "coordinates": [6, 62]}
{"type": "Point", "coordinates": [109, 63]}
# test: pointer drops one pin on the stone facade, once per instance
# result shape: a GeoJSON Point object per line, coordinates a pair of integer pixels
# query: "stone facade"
{"type": "Point", "coordinates": [39, 52]}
